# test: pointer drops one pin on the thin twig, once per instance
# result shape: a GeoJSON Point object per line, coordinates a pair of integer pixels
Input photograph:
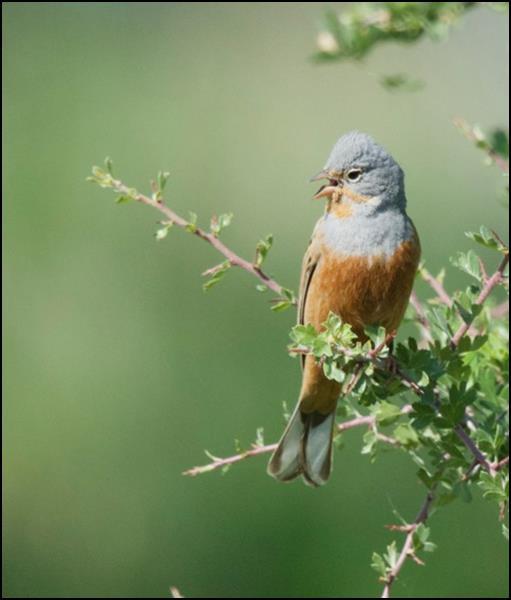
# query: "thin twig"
{"type": "Point", "coordinates": [489, 282]}
{"type": "Point", "coordinates": [220, 463]}
{"type": "Point", "coordinates": [407, 381]}
{"type": "Point", "coordinates": [500, 464]}
{"type": "Point", "coordinates": [371, 356]}
{"type": "Point", "coordinates": [369, 420]}
{"type": "Point", "coordinates": [497, 278]}
{"type": "Point", "coordinates": [355, 378]}
{"type": "Point", "coordinates": [482, 268]}
{"type": "Point", "coordinates": [421, 317]}
{"type": "Point", "coordinates": [251, 268]}
{"type": "Point", "coordinates": [437, 287]}
{"type": "Point", "coordinates": [468, 132]}
{"type": "Point", "coordinates": [257, 449]}
{"type": "Point", "coordinates": [407, 549]}
{"type": "Point", "coordinates": [473, 468]}
{"type": "Point", "coordinates": [471, 445]}
{"type": "Point", "coordinates": [232, 257]}
{"type": "Point", "coordinates": [422, 517]}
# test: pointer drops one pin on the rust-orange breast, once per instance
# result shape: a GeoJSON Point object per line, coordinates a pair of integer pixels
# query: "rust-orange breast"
{"type": "Point", "coordinates": [363, 290]}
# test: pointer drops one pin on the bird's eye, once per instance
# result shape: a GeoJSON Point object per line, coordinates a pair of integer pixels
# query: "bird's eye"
{"type": "Point", "coordinates": [354, 174]}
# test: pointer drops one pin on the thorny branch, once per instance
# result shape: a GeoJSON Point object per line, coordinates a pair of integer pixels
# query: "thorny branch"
{"type": "Point", "coordinates": [480, 460]}
{"type": "Point", "coordinates": [421, 318]}
{"type": "Point", "coordinates": [437, 287]}
{"type": "Point", "coordinates": [172, 217]}
{"type": "Point", "coordinates": [479, 457]}
{"type": "Point", "coordinates": [407, 549]}
{"type": "Point", "coordinates": [497, 278]}
{"type": "Point", "coordinates": [422, 517]}
{"type": "Point", "coordinates": [257, 449]}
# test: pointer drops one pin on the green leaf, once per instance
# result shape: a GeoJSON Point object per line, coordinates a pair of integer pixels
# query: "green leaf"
{"type": "Point", "coordinates": [262, 249]}
{"type": "Point", "coordinates": [425, 477]}
{"type": "Point", "coordinates": [98, 172]}
{"type": "Point", "coordinates": [321, 347]}
{"type": "Point", "coordinates": [424, 379]}
{"type": "Point", "coordinates": [220, 223]}
{"type": "Point", "coordinates": [376, 334]}
{"type": "Point", "coordinates": [378, 564]}
{"type": "Point", "coordinates": [370, 440]}
{"type": "Point", "coordinates": [392, 555]}
{"type": "Point", "coordinates": [421, 539]}
{"type": "Point", "coordinates": [161, 233]}
{"type": "Point", "coordinates": [355, 31]}
{"type": "Point", "coordinates": [486, 238]}
{"type": "Point", "coordinates": [191, 226]}
{"type": "Point", "coordinates": [109, 165]}
{"type": "Point", "coordinates": [468, 315]}
{"type": "Point", "coordinates": [162, 180]}
{"type": "Point", "coordinates": [217, 275]}
{"type": "Point", "coordinates": [281, 305]}
{"type": "Point", "coordinates": [499, 140]}
{"type": "Point", "coordinates": [289, 295]}
{"type": "Point", "coordinates": [303, 335]}
{"type": "Point", "coordinates": [332, 371]}
{"type": "Point", "coordinates": [468, 262]}
{"type": "Point", "coordinates": [406, 435]}
{"type": "Point", "coordinates": [122, 199]}
{"type": "Point", "coordinates": [386, 413]}
{"type": "Point", "coordinates": [101, 177]}
{"type": "Point", "coordinates": [492, 487]}
{"type": "Point", "coordinates": [412, 344]}
{"type": "Point", "coordinates": [259, 441]}
{"type": "Point", "coordinates": [287, 300]}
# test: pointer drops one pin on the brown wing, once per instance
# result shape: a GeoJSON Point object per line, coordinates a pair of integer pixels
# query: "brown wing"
{"type": "Point", "coordinates": [309, 264]}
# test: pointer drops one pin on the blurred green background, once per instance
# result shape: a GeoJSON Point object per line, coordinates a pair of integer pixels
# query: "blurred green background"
{"type": "Point", "coordinates": [119, 370]}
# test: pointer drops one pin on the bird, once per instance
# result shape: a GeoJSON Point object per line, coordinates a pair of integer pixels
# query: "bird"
{"type": "Point", "coordinates": [360, 264]}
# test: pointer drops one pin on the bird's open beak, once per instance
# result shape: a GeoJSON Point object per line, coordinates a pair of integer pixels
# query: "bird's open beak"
{"type": "Point", "coordinates": [325, 191]}
{"type": "Point", "coordinates": [321, 175]}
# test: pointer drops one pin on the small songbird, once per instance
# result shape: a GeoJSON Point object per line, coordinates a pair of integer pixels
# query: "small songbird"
{"type": "Point", "coordinates": [360, 264]}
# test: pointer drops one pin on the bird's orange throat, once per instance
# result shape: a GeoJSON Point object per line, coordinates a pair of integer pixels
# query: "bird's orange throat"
{"type": "Point", "coordinates": [340, 210]}
{"type": "Point", "coordinates": [342, 200]}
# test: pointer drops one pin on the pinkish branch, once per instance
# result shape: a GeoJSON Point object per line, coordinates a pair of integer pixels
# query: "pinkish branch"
{"type": "Point", "coordinates": [172, 217]}
{"type": "Point", "coordinates": [423, 514]}
{"type": "Point", "coordinates": [497, 278]}
{"type": "Point", "coordinates": [258, 449]}
{"type": "Point", "coordinates": [372, 356]}
{"type": "Point", "coordinates": [421, 318]}
{"type": "Point", "coordinates": [437, 287]}
{"type": "Point", "coordinates": [407, 549]}
{"type": "Point", "coordinates": [479, 457]}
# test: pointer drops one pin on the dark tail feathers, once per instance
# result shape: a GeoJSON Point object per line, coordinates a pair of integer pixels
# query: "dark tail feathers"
{"type": "Point", "coordinates": [305, 448]}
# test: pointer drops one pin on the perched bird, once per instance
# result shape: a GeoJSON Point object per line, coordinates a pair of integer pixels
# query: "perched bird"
{"type": "Point", "coordinates": [360, 264]}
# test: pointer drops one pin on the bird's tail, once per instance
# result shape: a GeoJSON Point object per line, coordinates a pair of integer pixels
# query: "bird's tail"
{"type": "Point", "coordinates": [305, 448]}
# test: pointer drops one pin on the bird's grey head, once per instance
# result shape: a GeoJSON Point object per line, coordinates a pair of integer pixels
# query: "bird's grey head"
{"type": "Point", "coordinates": [359, 165]}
